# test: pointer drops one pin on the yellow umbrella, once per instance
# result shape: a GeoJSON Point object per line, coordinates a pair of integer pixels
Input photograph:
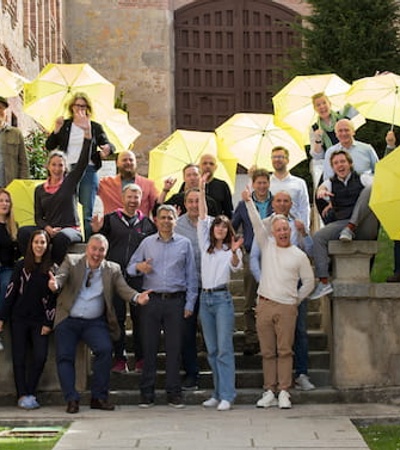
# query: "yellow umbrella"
{"type": "Point", "coordinates": [377, 98]}
{"type": "Point", "coordinates": [47, 97]}
{"type": "Point", "coordinates": [251, 137]}
{"type": "Point", "coordinates": [119, 131]}
{"type": "Point", "coordinates": [22, 194]}
{"type": "Point", "coordinates": [385, 195]}
{"type": "Point", "coordinates": [293, 104]}
{"type": "Point", "coordinates": [11, 83]}
{"type": "Point", "coordinates": [184, 147]}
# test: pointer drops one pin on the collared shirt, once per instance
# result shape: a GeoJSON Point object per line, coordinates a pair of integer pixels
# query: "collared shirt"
{"type": "Point", "coordinates": [297, 188]}
{"type": "Point", "coordinates": [364, 158]}
{"type": "Point", "coordinates": [173, 266]}
{"type": "Point", "coordinates": [89, 303]}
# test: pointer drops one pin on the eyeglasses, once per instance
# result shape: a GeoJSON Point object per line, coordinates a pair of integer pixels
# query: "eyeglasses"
{"type": "Point", "coordinates": [78, 105]}
{"type": "Point", "coordinates": [89, 279]}
{"type": "Point", "coordinates": [278, 157]}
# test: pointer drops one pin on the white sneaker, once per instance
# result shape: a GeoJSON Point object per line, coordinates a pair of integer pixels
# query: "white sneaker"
{"type": "Point", "coordinates": [321, 290]}
{"type": "Point", "coordinates": [224, 405]}
{"type": "Point", "coordinates": [268, 399]}
{"type": "Point", "coordinates": [346, 235]}
{"type": "Point", "coordinates": [211, 403]}
{"type": "Point", "coordinates": [303, 383]}
{"type": "Point", "coordinates": [284, 400]}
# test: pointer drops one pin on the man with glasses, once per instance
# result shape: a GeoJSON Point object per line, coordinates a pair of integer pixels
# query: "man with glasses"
{"type": "Point", "coordinates": [215, 188]}
{"type": "Point", "coordinates": [85, 312]}
{"type": "Point", "coordinates": [283, 180]}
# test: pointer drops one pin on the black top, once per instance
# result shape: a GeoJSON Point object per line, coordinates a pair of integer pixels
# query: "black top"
{"type": "Point", "coordinates": [8, 248]}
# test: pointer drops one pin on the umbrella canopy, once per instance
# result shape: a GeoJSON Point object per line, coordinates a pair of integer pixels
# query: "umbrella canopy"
{"type": "Point", "coordinates": [22, 193]}
{"type": "Point", "coordinates": [251, 137]}
{"type": "Point", "coordinates": [186, 147]}
{"type": "Point", "coordinates": [47, 97]}
{"type": "Point", "coordinates": [119, 131]}
{"type": "Point", "coordinates": [11, 83]}
{"type": "Point", "coordinates": [385, 195]}
{"type": "Point", "coordinates": [293, 104]}
{"type": "Point", "coordinates": [377, 98]}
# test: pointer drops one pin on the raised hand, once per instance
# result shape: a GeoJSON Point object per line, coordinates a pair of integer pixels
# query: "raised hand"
{"type": "Point", "coordinates": [52, 283]}
{"type": "Point", "coordinates": [144, 266]}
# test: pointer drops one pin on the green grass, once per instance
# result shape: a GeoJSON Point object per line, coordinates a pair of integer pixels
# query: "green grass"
{"type": "Point", "coordinates": [381, 437]}
{"type": "Point", "coordinates": [383, 265]}
{"type": "Point", "coordinates": [29, 443]}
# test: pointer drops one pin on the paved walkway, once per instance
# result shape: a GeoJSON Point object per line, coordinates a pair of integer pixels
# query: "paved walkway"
{"type": "Point", "coordinates": [304, 427]}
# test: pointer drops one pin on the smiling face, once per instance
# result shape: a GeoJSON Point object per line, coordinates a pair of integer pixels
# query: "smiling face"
{"type": "Point", "coordinates": [131, 201]}
{"type": "Point", "coordinates": [39, 246]}
{"type": "Point", "coordinates": [166, 221]}
{"type": "Point", "coordinates": [281, 232]}
{"type": "Point", "coordinates": [261, 186]}
{"type": "Point", "coordinates": [341, 165]}
{"type": "Point", "coordinates": [282, 203]}
{"type": "Point", "coordinates": [5, 204]}
{"type": "Point", "coordinates": [96, 250]}
{"type": "Point", "coordinates": [57, 167]}
{"type": "Point", "coordinates": [220, 231]}
{"type": "Point", "coordinates": [191, 177]}
{"type": "Point", "coordinates": [126, 164]}
{"type": "Point", "coordinates": [344, 131]}
{"type": "Point", "coordinates": [279, 160]}
{"type": "Point", "coordinates": [192, 204]}
{"type": "Point", "coordinates": [322, 106]}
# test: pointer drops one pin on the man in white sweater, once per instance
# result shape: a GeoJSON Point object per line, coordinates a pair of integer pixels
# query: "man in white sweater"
{"type": "Point", "coordinates": [283, 266]}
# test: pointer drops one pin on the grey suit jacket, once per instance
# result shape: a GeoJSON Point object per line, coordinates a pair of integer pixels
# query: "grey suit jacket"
{"type": "Point", "coordinates": [70, 278]}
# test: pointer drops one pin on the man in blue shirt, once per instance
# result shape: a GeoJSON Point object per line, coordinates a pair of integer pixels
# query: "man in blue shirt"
{"type": "Point", "coordinates": [166, 261]}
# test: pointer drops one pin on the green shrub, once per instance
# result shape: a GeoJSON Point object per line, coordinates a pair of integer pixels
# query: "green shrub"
{"type": "Point", "coordinates": [37, 153]}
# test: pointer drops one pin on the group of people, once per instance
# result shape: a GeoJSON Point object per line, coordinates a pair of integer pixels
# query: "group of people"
{"type": "Point", "coordinates": [169, 259]}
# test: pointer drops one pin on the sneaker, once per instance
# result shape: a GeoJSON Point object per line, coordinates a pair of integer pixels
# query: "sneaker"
{"type": "Point", "coordinates": [189, 384]}
{"type": "Point", "coordinates": [176, 402]}
{"type": "Point", "coordinates": [34, 402]}
{"type": "Point", "coordinates": [284, 400]}
{"type": "Point", "coordinates": [224, 405]}
{"type": "Point", "coordinates": [303, 383]}
{"type": "Point", "coordinates": [321, 290]}
{"type": "Point", "coordinates": [139, 366]}
{"type": "Point", "coordinates": [25, 402]}
{"type": "Point", "coordinates": [120, 366]}
{"type": "Point", "coordinates": [211, 403]}
{"type": "Point", "coordinates": [346, 235]}
{"type": "Point", "coordinates": [268, 399]}
{"type": "Point", "coordinates": [145, 402]}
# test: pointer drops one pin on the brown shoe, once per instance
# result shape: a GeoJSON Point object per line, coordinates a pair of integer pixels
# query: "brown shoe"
{"type": "Point", "coordinates": [99, 403]}
{"type": "Point", "coordinates": [72, 407]}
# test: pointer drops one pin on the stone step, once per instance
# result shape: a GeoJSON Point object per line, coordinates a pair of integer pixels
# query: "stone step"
{"type": "Point", "coordinates": [245, 379]}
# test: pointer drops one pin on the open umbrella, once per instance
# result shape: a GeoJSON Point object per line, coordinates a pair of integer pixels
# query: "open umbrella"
{"type": "Point", "coordinates": [251, 137]}
{"type": "Point", "coordinates": [293, 104]}
{"type": "Point", "coordinates": [377, 98]}
{"type": "Point", "coordinates": [22, 193]}
{"type": "Point", "coordinates": [385, 195]}
{"type": "Point", "coordinates": [119, 131]}
{"type": "Point", "coordinates": [11, 83]}
{"type": "Point", "coordinates": [185, 147]}
{"type": "Point", "coordinates": [47, 96]}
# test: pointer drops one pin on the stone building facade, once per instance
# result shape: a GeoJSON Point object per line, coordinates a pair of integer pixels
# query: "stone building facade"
{"type": "Point", "coordinates": [130, 42]}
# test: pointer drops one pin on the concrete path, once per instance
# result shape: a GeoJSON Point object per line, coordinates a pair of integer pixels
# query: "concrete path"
{"type": "Point", "coordinates": [324, 427]}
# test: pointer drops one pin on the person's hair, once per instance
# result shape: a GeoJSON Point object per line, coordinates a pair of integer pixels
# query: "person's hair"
{"type": "Point", "coordinates": [229, 235]}
{"type": "Point", "coordinates": [98, 237]}
{"type": "Point", "coordinates": [317, 96]}
{"type": "Point", "coordinates": [278, 217]}
{"type": "Point", "coordinates": [11, 224]}
{"type": "Point", "coordinates": [190, 165]}
{"type": "Point", "coordinates": [168, 208]}
{"type": "Point", "coordinates": [279, 148]}
{"type": "Point", "coordinates": [59, 154]}
{"type": "Point", "coordinates": [132, 187]}
{"type": "Point", "coordinates": [29, 260]}
{"type": "Point", "coordinates": [189, 191]}
{"type": "Point", "coordinates": [257, 173]}
{"type": "Point", "coordinates": [284, 193]}
{"type": "Point", "coordinates": [76, 96]}
{"type": "Point", "coordinates": [343, 152]}
{"type": "Point", "coordinates": [347, 121]}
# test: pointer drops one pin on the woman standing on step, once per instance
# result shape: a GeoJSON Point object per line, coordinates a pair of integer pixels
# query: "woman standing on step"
{"type": "Point", "coordinates": [220, 253]}
{"type": "Point", "coordinates": [30, 306]}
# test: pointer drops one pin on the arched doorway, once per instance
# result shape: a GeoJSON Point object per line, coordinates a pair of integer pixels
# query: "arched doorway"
{"type": "Point", "coordinates": [229, 56]}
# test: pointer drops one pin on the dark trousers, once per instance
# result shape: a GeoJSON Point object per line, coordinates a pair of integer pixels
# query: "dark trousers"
{"type": "Point", "coordinates": [119, 345]}
{"type": "Point", "coordinates": [26, 336]}
{"type": "Point", "coordinates": [189, 345]}
{"type": "Point", "coordinates": [396, 257]}
{"type": "Point", "coordinates": [162, 313]}
{"type": "Point", "coordinates": [301, 340]}
{"type": "Point", "coordinates": [95, 334]}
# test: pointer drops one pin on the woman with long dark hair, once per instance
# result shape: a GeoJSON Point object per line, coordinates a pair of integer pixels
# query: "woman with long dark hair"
{"type": "Point", "coordinates": [29, 306]}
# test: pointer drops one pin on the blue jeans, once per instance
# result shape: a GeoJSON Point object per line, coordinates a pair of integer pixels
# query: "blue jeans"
{"type": "Point", "coordinates": [95, 334]}
{"type": "Point", "coordinates": [5, 277]}
{"type": "Point", "coordinates": [217, 319]}
{"type": "Point", "coordinates": [88, 188]}
{"type": "Point", "coordinates": [301, 340]}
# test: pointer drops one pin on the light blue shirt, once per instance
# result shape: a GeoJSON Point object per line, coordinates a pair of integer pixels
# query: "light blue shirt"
{"type": "Point", "coordinates": [89, 303]}
{"type": "Point", "coordinates": [364, 158]}
{"type": "Point", "coordinates": [173, 266]}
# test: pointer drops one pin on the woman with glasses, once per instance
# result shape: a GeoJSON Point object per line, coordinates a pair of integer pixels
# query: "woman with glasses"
{"type": "Point", "coordinates": [30, 307]}
{"type": "Point", "coordinates": [68, 137]}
